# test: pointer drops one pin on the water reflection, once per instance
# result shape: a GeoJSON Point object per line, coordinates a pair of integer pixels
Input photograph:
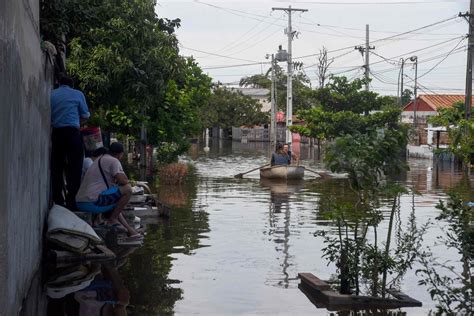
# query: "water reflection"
{"type": "Point", "coordinates": [89, 289]}
{"type": "Point", "coordinates": [235, 246]}
{"type": "Point", "coordinates": [279, 210]}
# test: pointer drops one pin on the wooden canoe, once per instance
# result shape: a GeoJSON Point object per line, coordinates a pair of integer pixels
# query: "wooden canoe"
{"type": "Point", "coordinates": [282, 172]}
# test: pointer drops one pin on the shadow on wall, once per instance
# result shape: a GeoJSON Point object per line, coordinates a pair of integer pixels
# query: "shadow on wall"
{"type": "Point", "coordinates": [25, 84]}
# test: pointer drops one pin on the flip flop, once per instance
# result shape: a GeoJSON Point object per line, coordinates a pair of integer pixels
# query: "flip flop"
{"type": "Point", "coordinates": [118, 227]}
{"type": "Point", "coordinates": [136, 236]}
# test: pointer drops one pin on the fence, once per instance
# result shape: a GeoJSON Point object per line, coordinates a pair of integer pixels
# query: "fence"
{"type": "Point", "coordinates": [260, 134]}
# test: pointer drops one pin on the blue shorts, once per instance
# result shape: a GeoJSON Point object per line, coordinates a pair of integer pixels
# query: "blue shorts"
{"type": "Point", "coordinates": [106, 202]}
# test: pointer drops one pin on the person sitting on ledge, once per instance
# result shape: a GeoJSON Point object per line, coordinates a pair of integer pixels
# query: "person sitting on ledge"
{"type": "Point", "coordinates": [105, 188]}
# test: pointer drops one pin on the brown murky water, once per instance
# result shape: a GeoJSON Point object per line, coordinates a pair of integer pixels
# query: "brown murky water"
{"type": "Point", "coordinates": [235, 246]}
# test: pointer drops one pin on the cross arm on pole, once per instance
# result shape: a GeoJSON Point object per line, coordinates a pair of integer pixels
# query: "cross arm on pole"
{"type": "Point", "coordinates": [290, 9]}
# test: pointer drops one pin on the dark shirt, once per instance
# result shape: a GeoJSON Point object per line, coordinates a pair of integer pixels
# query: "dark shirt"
{"type": "Point", "coordinates": [280, 159]}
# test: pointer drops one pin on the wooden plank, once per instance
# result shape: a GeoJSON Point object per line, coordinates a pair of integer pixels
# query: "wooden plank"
{"type": "Point", "coordinates": [314, 282]}
{"type": "Point", "coordinates": [403, 297]}
{"type": "Point", "coordinates": [321, 295]}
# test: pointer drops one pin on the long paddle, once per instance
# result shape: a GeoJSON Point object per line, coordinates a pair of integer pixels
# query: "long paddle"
{"type": "Point", "coordinates": [323, 175]}
{"type": "Point", "coordinates": [240, 175]}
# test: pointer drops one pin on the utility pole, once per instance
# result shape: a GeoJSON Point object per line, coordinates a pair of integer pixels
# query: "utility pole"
{"type": "Point", "coordinates": [273, 109]}
{"type": "Point", "coordinates": [366, 51]}
{"type": "Point", "coordinates": [289, 91]}
{"type": "Point", "coordinates": [273, 104]}
{"type": "Point", "coordinates": [401, 81]}
{"type": "Point", "coordinates": [415, 91]}
{"type": "Point", "coordinates": [468, 98]}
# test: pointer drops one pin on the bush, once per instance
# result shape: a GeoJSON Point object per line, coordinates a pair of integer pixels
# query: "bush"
{"type": "Point", "coordinates": [174, 173]}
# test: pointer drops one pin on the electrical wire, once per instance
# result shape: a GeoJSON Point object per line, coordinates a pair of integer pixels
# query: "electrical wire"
{"type": "Point", "coordinates": [389, 37]}
{"type": "Point", "coordinates": [234, 66]}
{"type": "Point", "coordinates": [367, 2]}
{"type": "Point", "coordinates": [418, 50]}
{"type": "Point", "coordinates": [237, 44]}
{"type": "Point", "coordinates": [218, 55]}
{"type": "Point", "coordinates": [345, 71]}
{"type": "Point", "coordinates": [436, 65]}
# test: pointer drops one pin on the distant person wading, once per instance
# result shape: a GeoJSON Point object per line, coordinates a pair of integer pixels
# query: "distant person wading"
{"type": "Point", "coordinates": [68, 107]}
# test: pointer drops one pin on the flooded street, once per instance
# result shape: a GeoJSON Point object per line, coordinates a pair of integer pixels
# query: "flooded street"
{"type": "Point", "coordinates": [235, 246]}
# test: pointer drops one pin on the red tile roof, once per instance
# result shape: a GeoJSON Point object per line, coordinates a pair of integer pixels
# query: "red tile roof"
{"type": "Point", "coordinates": [438, 101]}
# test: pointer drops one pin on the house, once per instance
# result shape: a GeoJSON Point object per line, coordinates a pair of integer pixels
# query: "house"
{"type": "Point", "coordinates": [428, 105]}
{"type": "Point", "coordinates": [259, 94]}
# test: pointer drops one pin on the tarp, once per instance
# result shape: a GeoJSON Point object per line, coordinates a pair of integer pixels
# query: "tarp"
{"type": "Point", "coordinates": [62, 220]}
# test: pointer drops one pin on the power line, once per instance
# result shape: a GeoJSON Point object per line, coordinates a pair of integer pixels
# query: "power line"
{"type": "Point", "coordinates": [418, 50]}
{"type": "Point", "coordinates": [218, 55]}
{"type": "Point", "coordinates": [333, 58]}
{"type": "Point", "coordinates": [237, 43]}
{"type": "Point", "coordinates": [346, 71]}
{"type": "Point", "coordinates": [380, 31]}
{"type": "Point", "coordinates": [386, 38]}
{"type": "Point", "coordinates": [417, 29]}
{"type": "Point", "coordinates": [267, 37]}
{"type": "Point", "coordinates": [368, 3]}
{"type": "Point", "coordinates": [450, 52]}
{"type": "Point", "coordinates": [233, 66]}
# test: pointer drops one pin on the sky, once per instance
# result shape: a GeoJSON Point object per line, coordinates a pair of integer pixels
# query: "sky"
{"type": "Point", "coordinates": [230, 39]}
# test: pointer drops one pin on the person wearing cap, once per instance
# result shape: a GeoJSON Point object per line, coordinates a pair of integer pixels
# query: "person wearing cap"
{"type": "Point", "coordinates": [105, 188]}
{"type": "Point", "coordinates": [68, 108]}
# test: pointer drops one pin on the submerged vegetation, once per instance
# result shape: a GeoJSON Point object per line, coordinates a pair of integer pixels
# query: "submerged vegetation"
{"type": "Point", "coordinates": [450, 285]}
{"type": "Point", "coordinates": [364, 138]}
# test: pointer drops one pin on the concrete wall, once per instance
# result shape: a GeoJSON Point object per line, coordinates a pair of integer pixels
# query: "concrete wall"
{"type": "Point", "coordinates": [24, 150]}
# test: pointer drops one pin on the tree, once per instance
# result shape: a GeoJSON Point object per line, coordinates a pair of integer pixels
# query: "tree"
{"type": "Point", "coordinates": [323, 66]}
{"type": "Point", "coordinates": [303, 95]}
{"type": "Point", "coordinates": [227, 108]}
{"type": "Point", "coordinates": [407, 95]}
{"type": "Point", "coordinates": [367, 148]}
{"type": "Point", "coordinates": [127, 62]}
{"type": "Point", "coordinates": [341, 104]}
{"type": "Point", "coordinates": [460, 131]}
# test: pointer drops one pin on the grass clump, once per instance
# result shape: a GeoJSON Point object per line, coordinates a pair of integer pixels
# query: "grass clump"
{"type": "Point", "coordinates": [174, 173]}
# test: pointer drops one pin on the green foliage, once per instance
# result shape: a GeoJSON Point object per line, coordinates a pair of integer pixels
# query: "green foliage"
{"type": "Point", "coordinates": [362, 263]}
{"type": "Point", "coordinates": [460, 130]}
{"type": "Point", "coordinates": [127, 62]}
{"type": "Point", "coordinates": [407, 95]}
{"type": "Point", "coordinates": [340, 94]}
{"type": "Point", "coordinates": [227, 108]}
{"type": "Point", "coordinates": [303, 95]}
{"type": "Point", "coordinates": [326, 125]}
{"type": "Point", "coordinates": [448, 116]}
{"type": "Point", "coordinates": [365, 140]}
{"type": "Point", "coordinates": [367, 158]}
{"type": "Point", "coordinates": [453, 291]}
{"type": "Point", "coordinates": [367, 147]}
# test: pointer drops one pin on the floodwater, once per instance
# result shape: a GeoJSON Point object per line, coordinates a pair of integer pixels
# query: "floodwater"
{"type": "Point", "coordinates": [235, 246]}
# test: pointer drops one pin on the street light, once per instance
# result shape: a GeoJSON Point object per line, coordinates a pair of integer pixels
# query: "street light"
{"type": "Point", "coordinates": [415, 60]}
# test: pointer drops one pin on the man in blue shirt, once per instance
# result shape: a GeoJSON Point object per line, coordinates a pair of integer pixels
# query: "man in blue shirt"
{"type": "Point", "coordinates": [68, 108]}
